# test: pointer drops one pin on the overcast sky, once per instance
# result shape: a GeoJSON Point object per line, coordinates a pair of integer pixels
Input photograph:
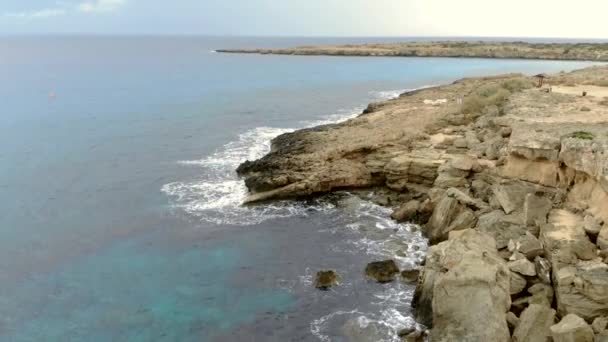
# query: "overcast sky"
{"type": "Point", "coordinates": [504, 18]}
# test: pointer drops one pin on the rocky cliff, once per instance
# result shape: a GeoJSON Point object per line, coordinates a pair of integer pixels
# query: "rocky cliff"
{"type": "Point", "coordinates": [510, 183]}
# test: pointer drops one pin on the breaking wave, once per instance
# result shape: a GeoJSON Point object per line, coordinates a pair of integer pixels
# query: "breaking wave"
{"type": "Point", "coordinates": [216, 196]}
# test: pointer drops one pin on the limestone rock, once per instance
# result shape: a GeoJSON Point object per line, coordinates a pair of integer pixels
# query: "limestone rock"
{"type": "Point", "coordinates": [465, 199]}
{"type": "Point", "coordinates": [470, 302]}
{"type": "Point", "coordinates": [542, 290]}
{"type": "Point", "coordinates": [591, 225]}
{"type": "Point", "coordinates": [599, 324]}
{"type": "Point", "coordinates": [382, 271]}
{"type": "Point", "coordinates": [523, 267]}
{"type": "Point", "coordinates": [512, 320]}
{"type": "Point", "coordinates": [565, 239]}
{"type": "Point", "coordinates": [536, 209]}
{"type": "Point", "coordinates": [445, 212]}
{"type": "Point", "coordinates": [535, 323]}
{"type": "Point", "coordinates": [410, 276]}
{"type": "Point", "coordinates": [411, 169]}
{"type": "Point", "coordinates": [602, 238]}
{"type": "Point", "coordinates": [501, 227]}
{"type": "Point", "coordinates": [582, 289]}
{"type": "Point", "coordinates": [445, 180]}
{"type": "Point", "coordinates": [326, 279]}
{"type": "Point", "coordinates": [443, 257]}
{"type": "Point", "coordinates": [517, 283]}
{"type": "Point", "coordinates": [543, 269]}
{"type": "Point", "coordinates": [407, 212]}
{"type": "Point", "coordinates": [526, 244]}
{"type": "Point", "coordinates": [481, 189]}
{"type": "Point", "coordinates": [463, 291]}
{"type": "Point", "coordinates": [572, 328]}
{"type": "Point", "coordinates": [532, 144]}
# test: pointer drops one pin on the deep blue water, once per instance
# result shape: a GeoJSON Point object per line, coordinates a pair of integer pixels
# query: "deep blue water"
{"type": "Point", "coordinates": [119, 207]}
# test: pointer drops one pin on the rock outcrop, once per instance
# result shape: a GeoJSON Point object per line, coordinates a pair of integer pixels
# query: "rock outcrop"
{"type": "Point", "coordinates": [511, 188]}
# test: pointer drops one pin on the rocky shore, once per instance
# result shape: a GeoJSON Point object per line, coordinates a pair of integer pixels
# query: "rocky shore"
{"type": "Point", "coordinates": [552, 51]}
{"type": "Point", "coordinates": [509, 182]}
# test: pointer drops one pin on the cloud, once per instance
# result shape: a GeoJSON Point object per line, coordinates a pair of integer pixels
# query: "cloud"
{"type": "Point", "coordinates": [44, 13]}
{"type": "Point", "coordinates": [100, 5]}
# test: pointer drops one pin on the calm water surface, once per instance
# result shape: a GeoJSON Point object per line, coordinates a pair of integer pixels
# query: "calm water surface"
{"type": "Point", "coordinates": [119, 206]}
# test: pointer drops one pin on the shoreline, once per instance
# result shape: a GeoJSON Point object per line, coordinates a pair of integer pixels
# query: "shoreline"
{"type": "Point", "coordinates": [508, 180]}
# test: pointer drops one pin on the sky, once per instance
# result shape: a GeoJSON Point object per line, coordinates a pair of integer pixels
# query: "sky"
{"type": "Point", "coordinates": [487, 18]}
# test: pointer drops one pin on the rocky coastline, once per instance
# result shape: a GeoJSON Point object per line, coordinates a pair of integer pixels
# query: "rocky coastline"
{"type": "Point", "coordinates": [469, 49]}
{"type": "Point", "coordinates": [509, 182]}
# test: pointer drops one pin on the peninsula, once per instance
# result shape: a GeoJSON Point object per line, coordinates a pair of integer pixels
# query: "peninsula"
{"type": "Point", "coordinates": [509, 181]}
{"type": "Point", "coordinates": [469, 49]}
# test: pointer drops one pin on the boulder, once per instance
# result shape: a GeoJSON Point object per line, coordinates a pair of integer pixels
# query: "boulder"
{"type": "Point", "coordinates": [599, 324]}
{"type": "Point", "coordinates": [582, 289]}
{"type": "Point", "coordinates": [591, 225]}
{"type": "Point", "coordinates": [445, 212]}
{"type": "Point", "coordinates": [382, 271]}
{"type": "Point", "coordinates": [517, 283]}
{"type": "Point", "coordinates": [463, 291]}
{"type": "Point", "coordinates": [602, 238]}
{"type": "Point", "coordinates": [465, 199]}
{"type": "Point", "coordinates": [501, 227]}
{"type": "Point", "coordinates": [446, 180]}
{"type": "Point", "coordinates": [542, 290]}
{"type": "Point", "coordinates": [535, 323]}
{"type": "Point", "coordinates": [326, 279]}
{"type": "Point", "coordinates": [522, 266]}
{"type": "Point", "coordinates": [534, 144]}
{"type": "Point", "coordinates": [410, 276]}
{"type": "Point", "coordinates": [565, 240]}
{"type": "Point", "coordinates": [407, 212]}
{"type": "Point", "coordinates": [481, 189]}
{"type": "Point", "coordinates": [572, 328]}
{"type": "Point", "coordinates": [536, 209]}
{"type": "Point", "coordinates": [512, 320]}
{"type": "Point", "coordinates": [543, 269]}
{"type": "Point", "coordinates": [442, 257]}
{"type": "Point", "coordinates": [526, 244]}
{"type": "Point", "coordinates": [418, 169]}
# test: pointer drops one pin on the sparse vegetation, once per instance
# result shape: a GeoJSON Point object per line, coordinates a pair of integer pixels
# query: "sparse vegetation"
{"type": "Point", "coordinates": [493, 94]}
{"type": "Point", "coordinates": [601, 83]}
{"type": "Point", "coordinates": [583, 135]}
{"type": "Point", "coordinates": [585, 109]}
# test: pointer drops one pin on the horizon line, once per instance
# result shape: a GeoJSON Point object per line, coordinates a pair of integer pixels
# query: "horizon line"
{"type": "Point", "coordinates": [99, 34]}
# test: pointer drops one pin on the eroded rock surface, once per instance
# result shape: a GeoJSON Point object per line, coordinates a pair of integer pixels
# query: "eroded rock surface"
{"type": "Point", "coordinates": [511, 188]}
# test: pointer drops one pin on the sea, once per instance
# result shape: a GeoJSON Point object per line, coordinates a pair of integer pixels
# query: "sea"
{"type": "Point", "coordinates": [120, 208]}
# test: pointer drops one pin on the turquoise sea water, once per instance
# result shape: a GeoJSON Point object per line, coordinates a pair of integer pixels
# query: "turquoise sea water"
{"type": "Point", "coordinates": [119, 208]}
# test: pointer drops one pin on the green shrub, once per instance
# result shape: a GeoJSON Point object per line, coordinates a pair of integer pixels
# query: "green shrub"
{"type": "Point", "coordinates": [472, 104]}
{"type": "Point", "coordinates": [583, 135]}
{"type": "Point", "coordinates": [517, 84]}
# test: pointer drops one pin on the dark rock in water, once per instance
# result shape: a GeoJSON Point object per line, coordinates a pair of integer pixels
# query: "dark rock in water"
{"type": "Point", "coordinates": [410, 276]}
{"type": "Point", "coordinates": [416, 336]}
{"type": "Point", "coordinates": [406, 331]}
{"type": "Point", "coordinates": [382, 271]}
{"type": "Point", "coordinates": [326, 279]}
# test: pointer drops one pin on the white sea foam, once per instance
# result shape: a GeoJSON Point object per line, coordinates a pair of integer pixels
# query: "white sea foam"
{"type": "Point", "coordinates": [217, 195]}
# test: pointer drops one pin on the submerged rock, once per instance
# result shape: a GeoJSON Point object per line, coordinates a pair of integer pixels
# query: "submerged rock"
{"type": "Point", "coordinates": [382, 271]}
{"type": "Point", "coordinates": [410, 276]}
{"type": "Point", "coordinates": [326, 279]}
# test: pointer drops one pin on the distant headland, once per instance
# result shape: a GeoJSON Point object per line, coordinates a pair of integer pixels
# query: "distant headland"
{"type": "Point", "coordinates": [463, 49]}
